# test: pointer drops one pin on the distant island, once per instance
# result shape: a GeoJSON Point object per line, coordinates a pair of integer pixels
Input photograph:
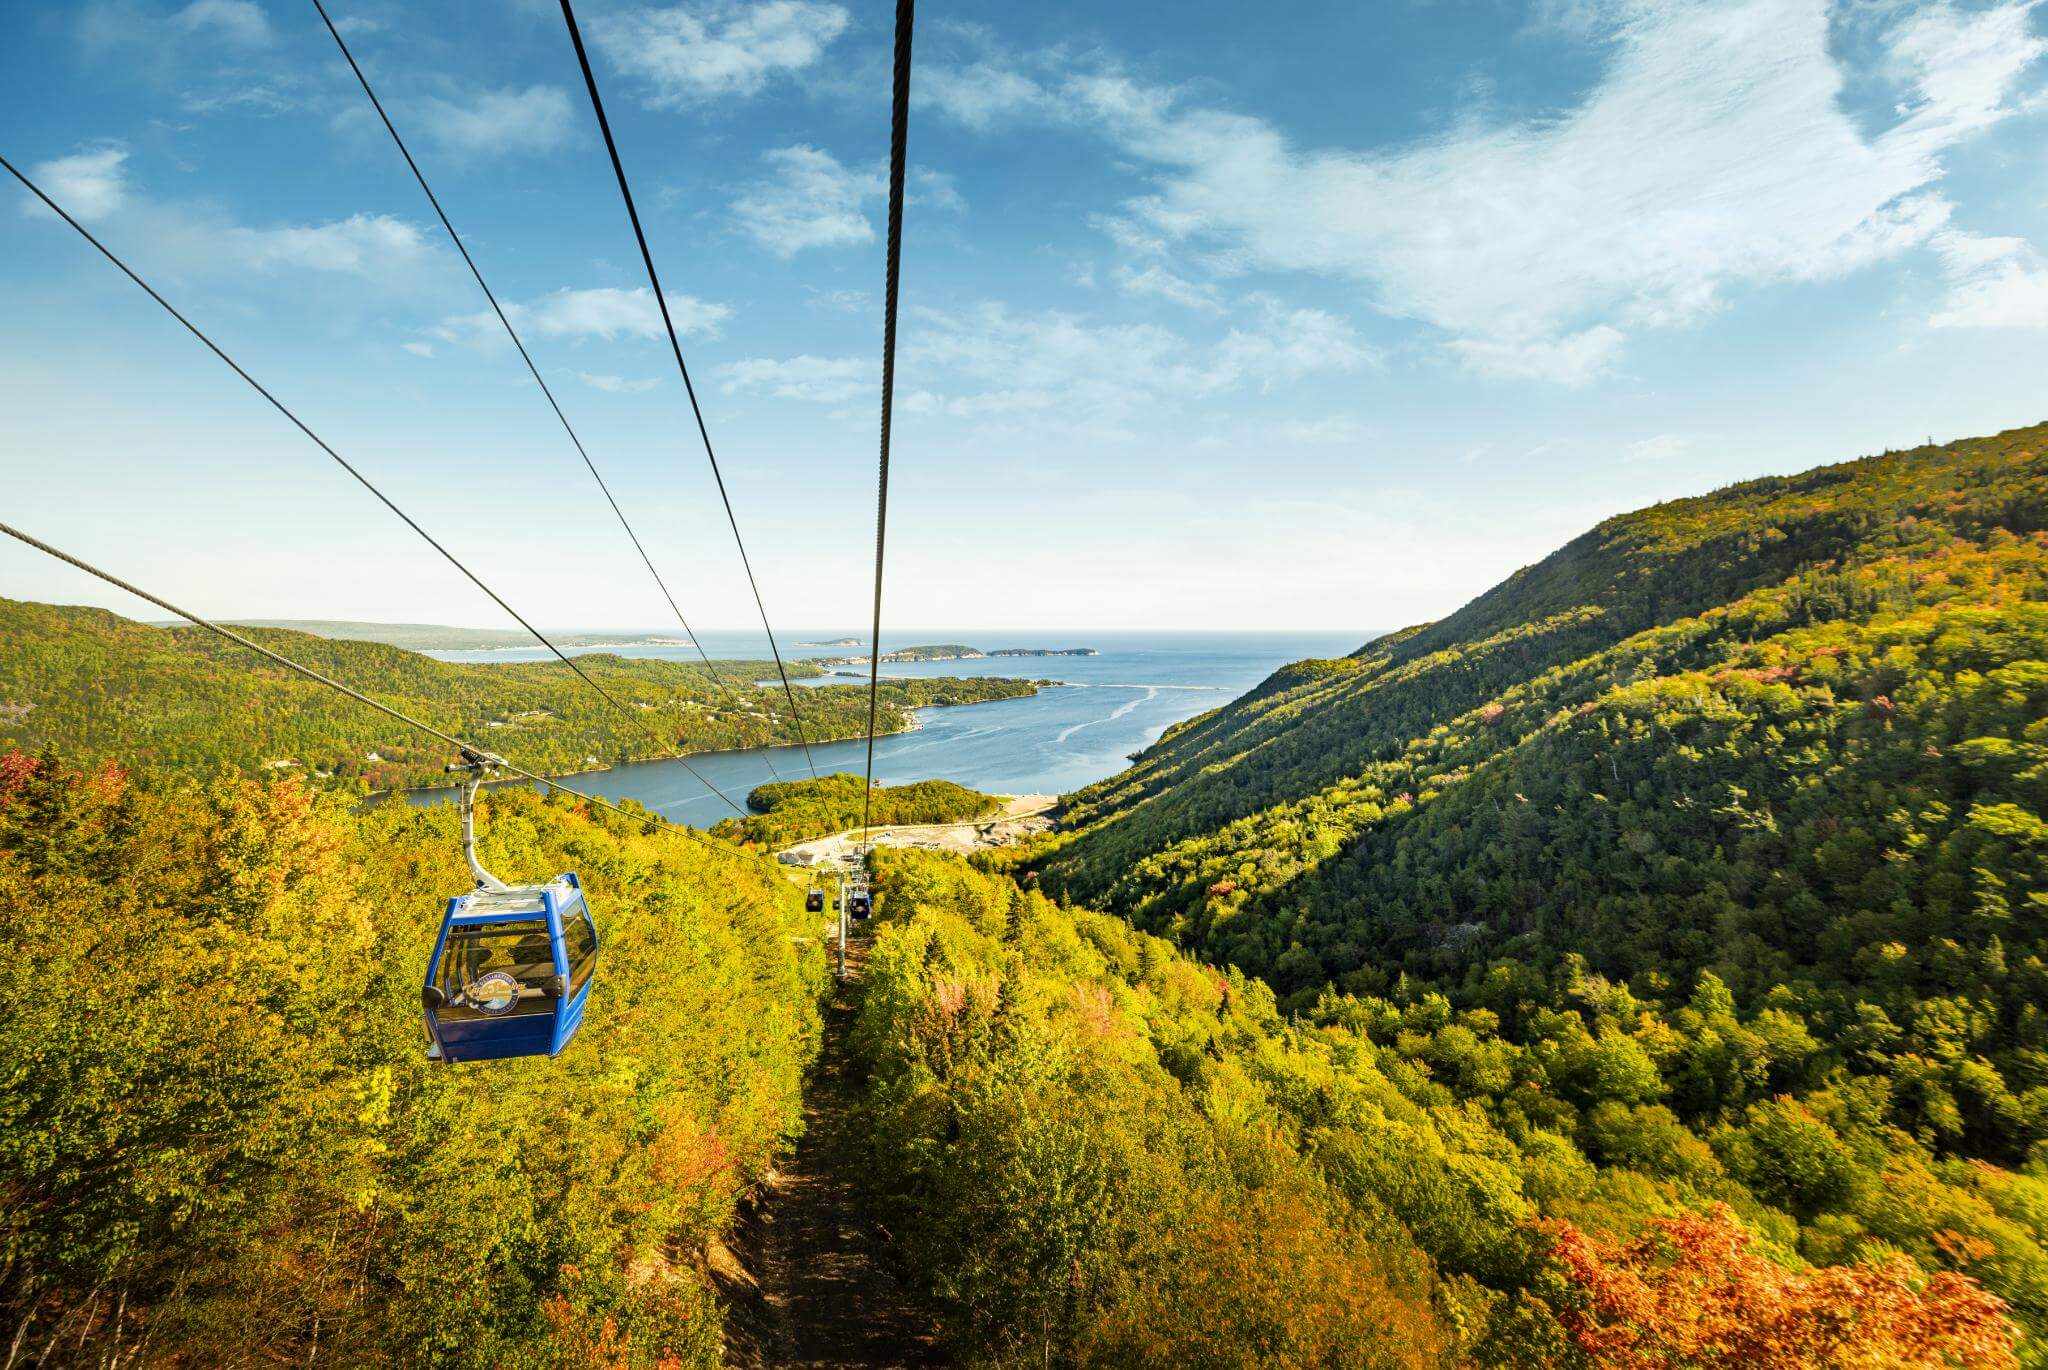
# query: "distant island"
{"type": "Point", "coordinates": [835, 642]}
{"type": "Point", "coordinates": [951, 651]}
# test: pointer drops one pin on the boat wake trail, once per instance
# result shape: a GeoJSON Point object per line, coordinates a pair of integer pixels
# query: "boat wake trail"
{"type": "Point", "coordinates": [1151, 692]}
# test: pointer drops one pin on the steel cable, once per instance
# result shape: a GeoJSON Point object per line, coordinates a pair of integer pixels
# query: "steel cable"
{"type": "Point", "coordinates": [342, 462]}
{"type": "Point", "coordinates": [675, 346]}
{"type": "Point", "coordinates": [526, 357]}
{"type": "Point", "coordinates": [899, 133]}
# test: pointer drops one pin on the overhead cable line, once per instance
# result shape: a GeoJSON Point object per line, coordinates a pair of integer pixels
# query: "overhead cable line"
{"type": "Point", "coordinates": [899, 134]}
{"type": "Point", "coordinates": [527, 357]}
{"type": "Point", "coordinates": [342, 462]}
{"type": "Point", "coordinates": [466, 749]}
{"type": "Point", "coordinates": [654, 280]}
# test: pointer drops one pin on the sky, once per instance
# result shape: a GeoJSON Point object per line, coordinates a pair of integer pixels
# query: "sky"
{"type": "Point", "coordinates": [1330, 320]}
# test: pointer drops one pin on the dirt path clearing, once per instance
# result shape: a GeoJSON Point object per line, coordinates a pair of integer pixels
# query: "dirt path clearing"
{"type": "Point", "coordinates": [1020, 815]}
{"type": "Point", "coordinates": [822, 1292]}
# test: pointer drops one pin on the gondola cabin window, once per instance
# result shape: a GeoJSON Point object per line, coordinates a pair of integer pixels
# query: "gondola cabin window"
{"type": "Point", "coordinates": [579, 943]}
{"type": "Point", "coordinates": [499, 970]}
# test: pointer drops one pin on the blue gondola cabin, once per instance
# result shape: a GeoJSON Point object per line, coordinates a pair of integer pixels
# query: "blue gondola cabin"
{"type": "Point", "coordinates": [511, 972]}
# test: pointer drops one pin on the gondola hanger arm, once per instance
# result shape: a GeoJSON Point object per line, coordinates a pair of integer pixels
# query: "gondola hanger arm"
{"type": "Point", "coordinates": [475, 765]}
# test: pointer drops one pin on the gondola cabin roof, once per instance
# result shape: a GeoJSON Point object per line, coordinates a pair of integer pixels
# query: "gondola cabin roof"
{"type": "Point", "coordinates": [521, 900]}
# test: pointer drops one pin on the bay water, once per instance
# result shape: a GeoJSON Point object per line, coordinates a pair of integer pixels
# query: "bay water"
{"type": "Point", "coordinates": [1071, 734]}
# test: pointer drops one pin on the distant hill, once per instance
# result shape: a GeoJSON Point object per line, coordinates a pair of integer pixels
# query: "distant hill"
{"type": "Point", "coordinates": [432, 637]}
{"type": "Point", "coordinates": [951, 651]}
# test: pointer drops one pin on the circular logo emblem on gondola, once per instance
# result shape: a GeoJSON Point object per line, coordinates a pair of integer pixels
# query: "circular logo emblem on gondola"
{"type": "Point", "coordinates": [492, 995]}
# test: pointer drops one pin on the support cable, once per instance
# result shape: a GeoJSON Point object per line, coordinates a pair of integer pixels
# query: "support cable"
{"type": "Point", "coordinates": [360, 478]}
{"type": "Point", "coordinates": [467, 751]}
{"type": "Point", "coordinates": [654, 280]}
{"type": "Point", "coordinates": [526, 357]}
{"type": "Point", "coordinates": [899, 132]}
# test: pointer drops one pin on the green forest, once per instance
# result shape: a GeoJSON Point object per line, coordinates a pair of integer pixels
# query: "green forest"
{"type": "Point", "coordinates": [99, 686]}
{"type": "Point", "coordinates": [1713, 843]}
{"type": "Point", "coordinates": [1096, 1149]}
{"type": "Point", "coordinates": [793, 811]}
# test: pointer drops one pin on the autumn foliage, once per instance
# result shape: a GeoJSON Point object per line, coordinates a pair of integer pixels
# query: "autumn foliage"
{"type": "Point", "coordinates": [221, 1142]}
{"type": "Point", "coordinates": [1694, 1291]}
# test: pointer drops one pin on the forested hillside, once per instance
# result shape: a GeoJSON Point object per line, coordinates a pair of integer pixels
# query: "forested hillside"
{"type": "Point", "coordinates": [1095, 1149]}
{"type": "Point", "coordinates": [1713, 842]}
{"type": "Point", "coordinates": [798, 810]}
{"type": "Point", "coordinates": [1696, 737]}
{"type": "Point", "coordinates": [100, 686]}
{"type": "Point", "coordinates": [221, 1142]}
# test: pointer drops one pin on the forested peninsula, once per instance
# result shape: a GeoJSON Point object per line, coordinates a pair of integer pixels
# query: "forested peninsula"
{"type": "Point", "coordinates": [787, 812]}
{"type": "Point", "coordinates": [96, 685]}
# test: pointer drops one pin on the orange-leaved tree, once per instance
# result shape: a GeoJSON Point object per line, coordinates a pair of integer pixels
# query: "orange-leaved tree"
{"type": "Point", "coordinates": [1693, 1291]}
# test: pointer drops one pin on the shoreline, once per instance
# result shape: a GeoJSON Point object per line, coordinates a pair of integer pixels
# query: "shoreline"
{"type": "Point", "coordinates": [914, 724]}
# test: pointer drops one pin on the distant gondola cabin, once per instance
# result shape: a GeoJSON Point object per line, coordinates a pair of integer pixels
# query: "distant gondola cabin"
{"type": "Point", "coordinates": [511, 972]}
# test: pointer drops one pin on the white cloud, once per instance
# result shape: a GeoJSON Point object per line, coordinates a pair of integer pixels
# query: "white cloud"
{"type": "Point", "coordinates": [814, 380]}
{"type": "Point", "coordinates": [89, 185]}
{"type": "Point", "coordinates": [617, 385]}
{"type": "Point", "coordinates": [1129, 236]}
{"type": "Point", "coordinates": [980, 95]}
{"type": "Point", "coordinates": [1289, 344]}
{"type": "Point", "coordinates": [202, 29]}
{"type": "Point", "coordinates": [605, 312]}
{"type": "Point", "coordinates": [1158, 281]}
{"type": "Point", "coordinates": [1962, 67]}
{"type": "Point", "coordinates": [197, 239]}
{"type": "Point", "coordinates": [536, 119]}
{"type": "Point", "coordinates": [1712, 153]}
{"type": "Point", "coordinates": [935, 190]}
{"type": "Point", "coordinates": [419, 349]}
{"type": "Point", "coordinates": [1993, 283]}
{"type": "Point", "coordinates": [241, 22]}
{"type": "Point", "coordinates": [1064, 371]}
{"type": "Point", "coordinates": [688, 54]}
{"type": "Point", "coordinates": [361, 245]}
{"type": "Point", "coordinates": [260, 98]}
{"type": "Point", "coordinates": [842, 301]}
{"type": "Point", "coordinates": [1001, 362]}
{"type": "Point", "coordinates": [1573, 359]}
{"type": "Point", "coordinates": [810, 200]}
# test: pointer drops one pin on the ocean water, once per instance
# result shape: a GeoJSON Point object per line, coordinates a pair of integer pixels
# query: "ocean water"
{"type": "Point", "coordinates": [1069, 735]}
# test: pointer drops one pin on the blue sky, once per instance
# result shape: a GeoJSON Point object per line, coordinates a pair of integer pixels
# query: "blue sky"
{"type": "Point", "coordinates": [1327, 320]}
